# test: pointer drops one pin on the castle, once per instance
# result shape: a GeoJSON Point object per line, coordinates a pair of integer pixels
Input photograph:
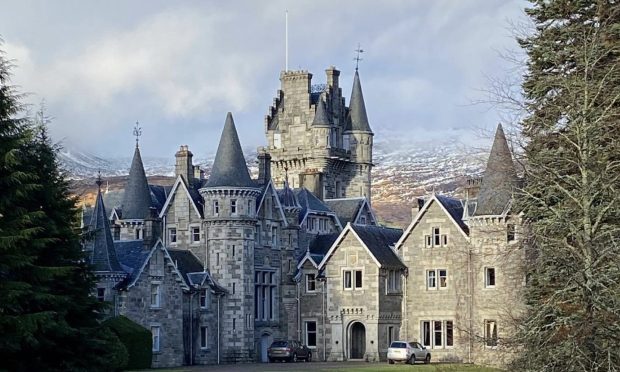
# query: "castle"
{"type": "Point", "coordinates": [218, 268]}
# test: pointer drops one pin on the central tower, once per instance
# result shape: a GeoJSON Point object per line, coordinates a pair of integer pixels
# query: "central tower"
{"type": "Point", "coordinates": [324, 145]}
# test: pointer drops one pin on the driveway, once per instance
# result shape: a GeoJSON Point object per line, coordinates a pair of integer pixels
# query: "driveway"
{"type": "Point", "coordinates": [265, 367]}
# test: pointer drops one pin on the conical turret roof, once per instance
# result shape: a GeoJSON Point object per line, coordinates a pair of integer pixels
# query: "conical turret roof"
{"type": "Point", "coordinates": [357, 120]}
{"type": "Point", "coordinates": [229, 168]}
{"type": "Point", "coordinates": [320, 116]}
{"type": "Point", "coordinates": [500, 178]}
{"type": "Point", "coordinates": [103, 256]}
{"type": "Point", "coordinates": [137, 198]}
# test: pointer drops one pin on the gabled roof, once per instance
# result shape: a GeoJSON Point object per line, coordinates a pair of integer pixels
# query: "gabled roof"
{"type": "Point", "coordinates": [378, 242]}
{"type": "Point", "coordinates": [269, 189]}
{"type": "Point", "coordinates": [159, 194]}
{"type": "Point", "coordinates": [192, 269]}
{"type": "Point", "coordinates": [179, 184]}
{"type": "Point", "coordinates": [349, 209]}
{"type": "Point", "coordinates": [453, 208]}
{"type": "Point", "coordinates": [500, 179]}
{"type": "Point", "coordinates": [311, 204]}
{"type": "Point", "coordinates": [133, 257]}
{"type": "Point", "coordinates": [100, 243]}
{"type": "Point", "coordinates": [137, 199]}
{"type": "Point", "coordinates": [357, 119]}
{"type": "Point", "coordinates": [229, 168]}
{"type": "Point", "coordinates": [318, 246]}
{"type": "Point", "coordinates": [320, 116]}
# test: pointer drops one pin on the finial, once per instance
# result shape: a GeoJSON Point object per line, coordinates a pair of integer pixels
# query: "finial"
{"type": "Point", "coordinates": [357, 58]}
{"type": "Point", "coordinates": [99, 182]}
{"type": "Point", "coordinates": [137, 131]}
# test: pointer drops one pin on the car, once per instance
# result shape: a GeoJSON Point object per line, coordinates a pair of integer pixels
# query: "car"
{"type": "Point", "coordinates": [290, 351]}
{"type": "Point", "coordinates": [409, 352]}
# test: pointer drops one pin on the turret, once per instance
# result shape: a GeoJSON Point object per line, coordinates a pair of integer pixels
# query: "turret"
{"type": "Point", "coordinates": [321, 127]}
{"type": "Point", "coordinates": [357, 125]}
{"type": "Point", "coordinates": [137, 198]}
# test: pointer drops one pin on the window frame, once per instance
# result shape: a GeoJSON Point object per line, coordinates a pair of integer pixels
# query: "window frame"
{"type": "Point", "coordinates": [346, 287]}
{"type": "Point", "coordinates": [488, 278]}
{"type": "Point", "coordinates": [216, 207]}
{"type": "Point", "coordinates": [307, 332]}
{"type": "Point", "coordinates": [204, 338]}
{"type": "Point", "coordinates": [490, 341]}
{"type": "Point", "coordinates": [309, 281]}
{"type": "Point", "coordinates": [233, 207]}
{"type": "Point", "coordinates": [195, 230]}
{"type": "Point", "coordinates": [155, 339]}
{"type": "Point", "coordinates": [157, 293]}
{"type": "Point", "coordinates": [203, 299]}
{"type": "Point", "coordinates": [428, 279]}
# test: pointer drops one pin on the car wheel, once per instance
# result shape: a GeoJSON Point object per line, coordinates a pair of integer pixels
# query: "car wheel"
{"type": "Point", "coordinates": [412, 359]}
{"type": "Point", "coordinates": [390, 361]}
{"type": "Point", "coordinates": [427, 360]}
{"type": "Point", "coordinates": [309, 358]}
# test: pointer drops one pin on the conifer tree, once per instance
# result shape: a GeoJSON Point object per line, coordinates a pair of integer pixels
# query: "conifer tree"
{"type": "Point", "coordinates": [48, 318]}
{"type": "Point", "coordinates": [571, 200]}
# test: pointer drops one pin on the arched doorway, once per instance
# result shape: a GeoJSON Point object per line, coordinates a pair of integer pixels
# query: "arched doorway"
{"type": "Point", "coordinates": [357, 341]}
{"type": "Point", "coordinates": [265, 342]}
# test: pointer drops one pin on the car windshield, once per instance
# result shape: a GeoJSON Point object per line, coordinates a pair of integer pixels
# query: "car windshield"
{"type": "Point", "coordinates": [398, 345]}
{"type": "Point", "coordinates": [279, 344]}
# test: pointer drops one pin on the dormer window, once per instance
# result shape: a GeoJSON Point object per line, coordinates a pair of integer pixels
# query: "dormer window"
{"type": "Point", "coordinates": [310, 283]}
{"type": "Point", "coordinates": [172, 235]}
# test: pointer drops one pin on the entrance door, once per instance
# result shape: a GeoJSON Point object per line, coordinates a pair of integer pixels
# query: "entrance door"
{"type": "Point", "coordinates": [358, 341]}
{"type": "Point", "coordinates": [265, 342]}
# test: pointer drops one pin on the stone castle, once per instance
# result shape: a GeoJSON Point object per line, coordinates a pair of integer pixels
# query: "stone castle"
{"type": "Point", "coordinates": [219, 268]}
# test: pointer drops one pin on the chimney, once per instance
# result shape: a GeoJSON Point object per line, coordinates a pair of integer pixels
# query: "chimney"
{"type": "Point", "coordinates": [198, 173]}
{"type": "Point", "coordinates": [152, 229]}
{"type": "Point", "coordinates": [312, 180]}
{"type": "Point", "coordinates": [419, 203]}
{"type": "Point", "coordinates": [472, 188]}
{"type": "Point", "coordinates": [184, 165]}
{"type": "Point", "coordinates": [264, 166]}
{"type": "Point", "coordinates": [332, 77]}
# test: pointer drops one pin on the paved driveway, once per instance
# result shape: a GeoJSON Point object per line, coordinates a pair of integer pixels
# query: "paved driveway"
{"type": "Point", "coordinates": [265, 367]}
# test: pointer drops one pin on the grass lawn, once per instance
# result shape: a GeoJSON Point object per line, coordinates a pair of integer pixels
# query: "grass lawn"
{"type": "Point", "coordinates": [416, 368]}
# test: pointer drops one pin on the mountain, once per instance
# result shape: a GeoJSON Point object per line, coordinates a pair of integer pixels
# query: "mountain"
{"type": "Point", "coordinates": [403, 171]}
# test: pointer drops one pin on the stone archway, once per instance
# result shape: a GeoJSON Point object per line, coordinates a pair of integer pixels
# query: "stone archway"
{"type": "Point", "coordinates": [357, 341]}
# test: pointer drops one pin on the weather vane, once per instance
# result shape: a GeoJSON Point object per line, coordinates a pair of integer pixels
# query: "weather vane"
{"type": "Point", "coordinates": [357, 58]}
{"type": "Point", "coordinates": [137, 131]}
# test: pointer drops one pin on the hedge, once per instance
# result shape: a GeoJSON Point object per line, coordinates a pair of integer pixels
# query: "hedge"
{"type": "Point", "coordinates": [137, 341]}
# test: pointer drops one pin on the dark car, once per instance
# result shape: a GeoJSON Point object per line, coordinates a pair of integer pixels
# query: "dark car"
{"type": "Point", "coordinates": [290, 351]}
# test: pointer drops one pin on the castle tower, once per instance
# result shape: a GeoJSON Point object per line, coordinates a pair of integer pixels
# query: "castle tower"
{"type": "Point", "coordinates": [137, 202]}
{"type": "Point", "coordinates": [99, 247]}
{"type": "Point", "coordinates": [359, 136]}
{"type": "Point", "coordinates": [230, 219]}
{"type": "Point", "coordinates": [305, 133]}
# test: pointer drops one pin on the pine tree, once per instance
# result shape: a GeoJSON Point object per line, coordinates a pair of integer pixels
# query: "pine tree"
{"type": "Point", "coordinates": [571, 200]}
{"type": "Point", "coordinates": [48, 318]}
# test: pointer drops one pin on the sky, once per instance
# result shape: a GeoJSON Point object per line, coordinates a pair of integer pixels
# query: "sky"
{"type": "Point", "coordinates": [179, 67]}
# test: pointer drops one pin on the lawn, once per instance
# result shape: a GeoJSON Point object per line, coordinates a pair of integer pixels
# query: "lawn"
{"type": "Point", "coordinates": [415, 368]}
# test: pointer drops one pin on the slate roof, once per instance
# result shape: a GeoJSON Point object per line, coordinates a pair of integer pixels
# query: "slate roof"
{"type": "Point", "coordinates": [159, 194]}
{"type": "Point", "coordinates": [500, 178]}
{"type": "Point", "coordinates": [455, 208]}
{"type": "Point", "coordinates": [132, 257]}
{"type": "Point", "coordinates": [192, 269]}
{"type": "Point", "coordinates": [320, 116]}
{"type": "Point", "coordinates": [287, 197]}
{"type": "Point", "coordinates": [357, 119]}
{"type": "Point", "coordinates": [310, 203]}
{"type": "Point", "coordinates": [379, 241]}
{"type": "Point", "coordinates": [229, 168]}
{"type": "Point", "coordinates": [100, 242]}
{"type": "Point", "coordinates": [346, 209]}
{"type": "Point", "coordinates": [320, 244]}
{"type": "Point", "coordinates": [137, 199]}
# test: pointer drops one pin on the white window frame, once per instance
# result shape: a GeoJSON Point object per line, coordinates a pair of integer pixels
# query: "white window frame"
{"type": "Point", "coordinates": [155, 301]}
{"type": "Point", "coordinates": [195, 232]}
{"type": "Point", "coordinates": [442, 284]}
{"type": "Point", "coordinates": [204, 338]}
{"type": "Point", "coordinates": [490, 333]}
{"type": "Point", "coordinates": [156, 338]}
{"type": "Point", "coordinates": [233, 207]}
{"type": "Point", "coordinates": [203, 299]}
{"type": "Point", "coordinates": [310, 278]}
{"type": "Point", "coordinates": [431, 275]}
{"type": "Point", "coordinates": [487, 277]}
{"type": "Point", "coordinates": [356, 285]}
{"type": "Point", "coordinates": [436, 327]}
{"type": "Point", "coordinates": [307, 332]}
{"type": "Point", "coordinates": [348, 287]}
{"type": "Point", "coordinates": [436, 233]}
{"type": "Point", "coordinates": [172, 235]}
{"type": "Point", "coordinates": [216, 208]}
{"type": "Point", "coordinates": [393, 282]}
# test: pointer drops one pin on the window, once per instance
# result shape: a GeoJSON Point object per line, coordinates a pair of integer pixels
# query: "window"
{"type": "Point", "coordinates": [362, 220]}
{"type": "Point", "coordinates": [217, 259]}
{"type": "Point", "coordinates": [203, 299]}
{"type": "Point", "coordinates": [155, 333]}
{"type": "Point", "coordinates": [100, 294]}
{"type": "Point", "coordinates": [444, 239]}
{"type": "Point", "coordinates": [437, 279]}
{"type": "Point", "coordinates": [431, 279]}
{"type": "Point", "coordinates": [250, 211]}
{"type": "Point", "coordinates": [195, 234]}
{"type": "Point", "coordinates": [393, 281]}
{"type": "Point", "coordinates": [490, 333]}
{"type": "Point", "coordinates": [277, 140]}
{"type": "Point", "coordinates": [489, 277]}
{"type": "Point", "coordinates": [346, 280]}
{"type": "Point", "coordinates": [155, 296]}
{"type": "Point", "coordinates": [233, 207]}
{"type": "Point", "coordinates": [358, 279]}
{"type": "Point", "coordinates": [172, 235]}
{"type": "Point", "coordinates": [429, 241]}
{"type": "Point", "coordinates": [310, 282]}
{"type": "Point", "coordinates": [311, 334]}
{"type": "Point", "coordinates": [511, 235]}
{"type": "Point", "coordinates": [274, 237]}
{"type": "Point", "coordinates": [437, 333]}
{"type": "Point", "coordinates": [138, 234]}
{"type": "Point", "coordinates": [449, 333]}
{"type": "Point", "coordinates": [436, 237]}
{"type": "Point", "coordinates": [234, 324]}
{"type": "Point", "coordinates": [233, 288]}
{"type": "Point", "coordinates": [204, 333]}
{"type": "Point", "coordinates": [233, 250]}
{"type": "Point", "coordinates": [216, 208]}
{"type": "Point", "coordinates": [265, 295]}
{"type": "Point", "coordinates": [390, 334]}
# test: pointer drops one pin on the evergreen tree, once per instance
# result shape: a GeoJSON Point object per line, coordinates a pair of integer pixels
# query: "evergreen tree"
{"type": "Point", "coordinates": [48, 318]}
{"type": "Point", "coordinates": [571, 200]}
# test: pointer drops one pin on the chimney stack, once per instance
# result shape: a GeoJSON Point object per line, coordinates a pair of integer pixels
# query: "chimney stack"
{"type": "Point", "coordinates": [312, 180]}
{"type": "Point", "coordinates": [264, 166]}
{"type": "Point", "coordinates": [184, 166]}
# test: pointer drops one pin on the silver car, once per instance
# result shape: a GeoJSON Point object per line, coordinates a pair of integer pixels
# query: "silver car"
{"type": "Point", "coordinates": [410, 352]}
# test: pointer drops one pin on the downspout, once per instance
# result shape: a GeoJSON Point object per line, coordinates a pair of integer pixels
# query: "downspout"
{"type": "Point", "coordinates": [404, 307]}
{"type": "Point", "coordinates": [470, 304]}
{"type": "Point", "coordinates": [324, 340]}
{"type": "Point", "coordinates": [298, 313]}
{"type": "Point", "coordinates": [191, 330]}
{"type": "Point", "coordinates": [163, 231]}
{"type": "Point", "coordinates": [218, 328]}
